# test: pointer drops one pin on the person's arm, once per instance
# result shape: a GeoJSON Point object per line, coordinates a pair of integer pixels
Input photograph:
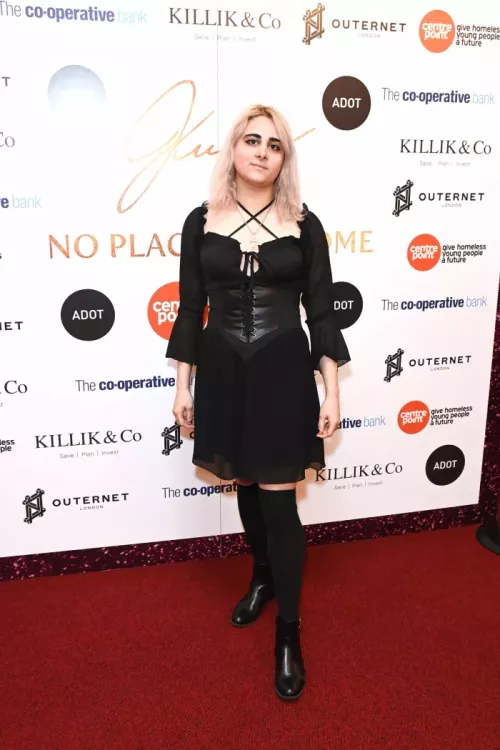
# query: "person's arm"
{"type": "Point", "coordinates": [183, 344]}
{"type": "Point", "coordinates": [328, 348]}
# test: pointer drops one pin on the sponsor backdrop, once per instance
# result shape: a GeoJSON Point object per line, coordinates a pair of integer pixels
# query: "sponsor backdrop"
{"type": "Point", "coordinates": [107, 143]}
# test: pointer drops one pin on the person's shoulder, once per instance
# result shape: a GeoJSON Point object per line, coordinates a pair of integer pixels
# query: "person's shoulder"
{"type": "Point", "coordinates": [196, 216]}
{"type": "Point", "coordinates": [309, 217]}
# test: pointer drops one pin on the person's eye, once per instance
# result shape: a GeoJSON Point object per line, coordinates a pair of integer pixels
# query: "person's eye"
{"type": "Point", "coordinates": [275, 147]}
{"type": "Point", "coordinates": [251, 141]}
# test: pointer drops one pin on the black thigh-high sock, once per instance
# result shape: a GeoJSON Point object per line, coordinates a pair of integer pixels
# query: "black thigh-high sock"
{"type": "Point", "coordinates": [253, 521]}
{"type": "Point", "coordinates": [286, 548]}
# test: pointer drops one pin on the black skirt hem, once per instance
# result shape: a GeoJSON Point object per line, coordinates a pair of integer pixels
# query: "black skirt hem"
{"type": "Point", "coordinates": [278, 475]}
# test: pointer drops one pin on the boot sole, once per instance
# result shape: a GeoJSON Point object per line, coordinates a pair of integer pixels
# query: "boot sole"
{"type": "Point", "coordinates": [288, 697]}
{"type": "Point", "coordinates": [246, 624]}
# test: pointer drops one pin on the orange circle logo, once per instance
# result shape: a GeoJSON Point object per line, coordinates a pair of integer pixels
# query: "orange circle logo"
{"type": "Point", "coordinates": [424, 252]}
{"type": "Point", "coordinates": [437, 31]}
{"type": "Point", "coordinates": [413, 417]}
{"type": "Point", "coordinates": [163, 308]}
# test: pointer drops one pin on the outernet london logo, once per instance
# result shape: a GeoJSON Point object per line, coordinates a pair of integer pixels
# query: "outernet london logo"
{"type": "Point", "coordinates": [88, 315]}
{"type": "Point", "coordinates": [424, 252]}
{"type": "Point", "coordinates": [348, 303]}
{"type": "Point", "coordinates": [437, 31]}
{"type": "Point", "coordinates": [364, 27]}
{"type": "Point", "coordinates": [394, 365]}
{"type": "Point", "coordinates": [171, 439]}
{"type": "Point", "coordinates": [443, 199]}
{"type": "Point", "coordinates": [437, 363]}
{"type": "Point", "coordinates": [35, 508]}
{"type": "Point", "coordinates": [346, 103]}
{"type": "Point", "coordinates": [7, 326]}
{"type": "Point", "coordinates": [445, 465]}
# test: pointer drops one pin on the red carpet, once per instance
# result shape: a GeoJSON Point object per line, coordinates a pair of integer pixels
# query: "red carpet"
{"type": "Point", "coordinates": [400, 638]}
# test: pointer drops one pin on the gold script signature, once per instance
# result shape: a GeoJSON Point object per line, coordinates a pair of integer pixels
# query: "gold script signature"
{"type": "Point", "coordinates": [155, 161]}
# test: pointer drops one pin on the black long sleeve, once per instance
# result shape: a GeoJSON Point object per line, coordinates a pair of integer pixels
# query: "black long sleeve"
{"type": "Point", "coordinates": [318, 299]}
{"type": "Point", "coordinates": [184, 340]}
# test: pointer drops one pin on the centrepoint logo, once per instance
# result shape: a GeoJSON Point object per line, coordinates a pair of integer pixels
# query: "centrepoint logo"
{"type": "Point", "coordinates": [437, 31]}
{"type": "Point", "coordinates": [88, 315]}
{"type": "Point", "coordinates": [346, 103]}
{"type": "Point", "coordinates": [413, 417]}
{"type": "Point", "coordinates": [424, 252]}
{"type": "Point", "coordinates": [348, 304]}
{"type": "Point", "coordinates": [163, 308]}
{"type": "Point", "coordinates": [445, 465]}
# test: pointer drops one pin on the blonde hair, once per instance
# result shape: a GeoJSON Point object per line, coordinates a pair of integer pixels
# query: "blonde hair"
{"type": "Point", "coordinates": [222, 193]}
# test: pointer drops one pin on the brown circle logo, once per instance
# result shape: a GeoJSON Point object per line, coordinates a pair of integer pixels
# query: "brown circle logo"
{"type": "Point", "coordinates": [346, 103]}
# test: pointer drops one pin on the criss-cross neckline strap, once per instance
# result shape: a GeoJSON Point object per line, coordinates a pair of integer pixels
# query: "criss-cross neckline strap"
{"type": "Point", "coordinates": [254, 217]}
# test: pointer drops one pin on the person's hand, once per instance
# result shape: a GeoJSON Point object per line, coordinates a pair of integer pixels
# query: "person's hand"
{"type": "Point", "coordinates": [329, 417]}
{"type": "Point", "coordinates": [183, 409]}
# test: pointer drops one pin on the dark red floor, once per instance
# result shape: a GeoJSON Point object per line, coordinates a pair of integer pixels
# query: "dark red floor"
{"type": "Point", "coordinates": [400, 638]}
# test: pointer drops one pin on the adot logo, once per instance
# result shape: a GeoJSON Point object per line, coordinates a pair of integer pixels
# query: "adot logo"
{"type": "Point", "coordinates": [445, 465]}
{"type": "Point", "coordinates": [88, 315]}
{"type": "Point", "coordinates": [437, 31]}
{"type": "Point", "coordinates": [413, 417]}
{"type": "Point", "coordinates": [348, 303]}
{"type": "Point", "coordinates": [346, 103]}
{"type": "Point", "coordinates": [424, 252]}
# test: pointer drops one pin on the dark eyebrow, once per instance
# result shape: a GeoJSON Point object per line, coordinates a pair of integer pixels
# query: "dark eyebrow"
{"type": "Point", "coordinates": [256, 135]}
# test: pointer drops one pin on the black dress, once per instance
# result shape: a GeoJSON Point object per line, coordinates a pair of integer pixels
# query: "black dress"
{"type": "Point", "coordinates": [256, 404]}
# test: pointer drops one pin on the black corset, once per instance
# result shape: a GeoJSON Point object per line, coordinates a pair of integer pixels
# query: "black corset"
{"type": "Point", "coordinates": [250, 311]}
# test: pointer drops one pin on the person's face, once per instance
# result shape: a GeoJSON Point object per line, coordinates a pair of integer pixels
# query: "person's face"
{"type": "Point", "coordinates": [258, 155]}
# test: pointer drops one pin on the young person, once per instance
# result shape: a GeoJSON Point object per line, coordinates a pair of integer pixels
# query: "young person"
{"type": "Point", "coordinates": [253, 251]}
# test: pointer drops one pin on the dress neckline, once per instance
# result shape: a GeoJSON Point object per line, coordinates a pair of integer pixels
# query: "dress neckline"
{"type": "Point", "coordinates": [204, 210]}
{"type": "Point", "coordinates": [261, 245]}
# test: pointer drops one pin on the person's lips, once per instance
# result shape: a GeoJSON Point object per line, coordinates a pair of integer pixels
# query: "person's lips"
{"type": "Point", "coordinates": [259, 166]}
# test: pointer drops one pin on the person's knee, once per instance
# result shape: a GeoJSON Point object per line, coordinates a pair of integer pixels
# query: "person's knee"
{"type": "Point", "coordinates": [279, 508]}
{"type": "Point", "coordinates": [244, 482]}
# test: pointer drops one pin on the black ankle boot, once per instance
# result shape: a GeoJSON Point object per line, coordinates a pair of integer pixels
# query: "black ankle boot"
{"type": "Point", "coordinates": [290, 673]}
{"type": "Point", "coordinates": [260, 591]}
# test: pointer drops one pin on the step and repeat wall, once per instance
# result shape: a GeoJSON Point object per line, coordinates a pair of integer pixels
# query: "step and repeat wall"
{"type": "Point", "coordinates": [111, 118]}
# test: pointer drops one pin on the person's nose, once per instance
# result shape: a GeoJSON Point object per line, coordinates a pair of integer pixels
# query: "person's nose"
{"type": "Point", "coordinates": [262, 151]}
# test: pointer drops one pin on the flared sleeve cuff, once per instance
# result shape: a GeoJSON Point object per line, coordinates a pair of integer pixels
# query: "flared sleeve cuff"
{"type": "Point", "coordinates": [184, 341]}
{"type": "Point", "coordinates": [327, 340]}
